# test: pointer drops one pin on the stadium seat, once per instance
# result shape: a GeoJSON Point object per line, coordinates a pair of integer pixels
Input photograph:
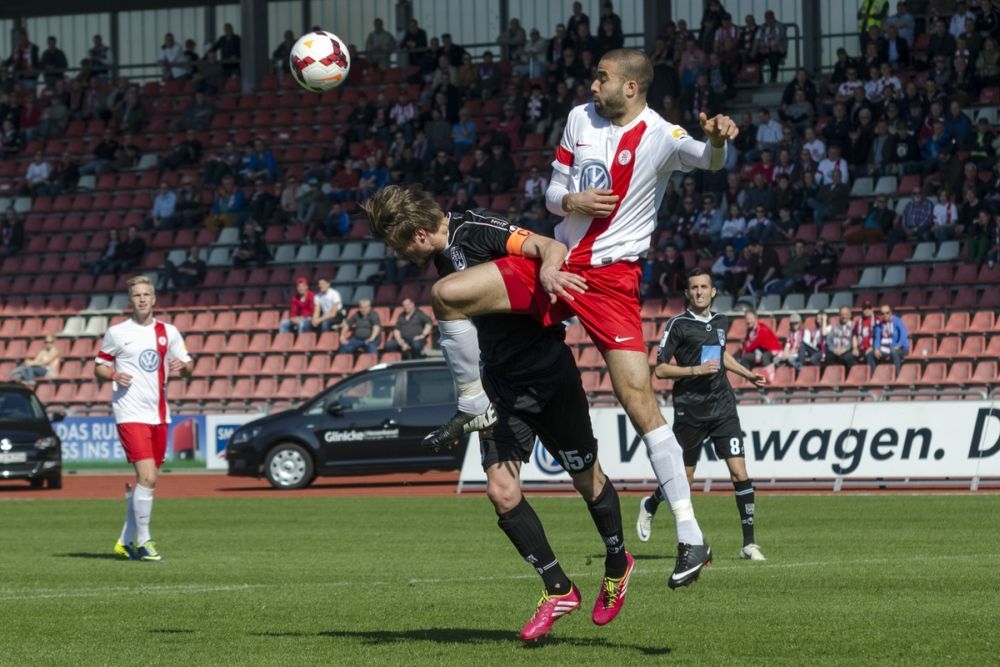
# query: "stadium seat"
{"type": "Point", "coordinates": [960, 373]}
{"type": "Point", "coordinates": [986, 372]}
{"type": "Point", "coordinates": [957, 323]}
{"type": "Point", "coordinates": [318, 364]}
{"type": "Point", "coordinates": [919, 275]}
{"type": "Point", "coordinates": [949, 347]}
{"type": "Point", "coordinates": [966, 274]}
{"type": "Point", "coordinates": [808, 377]}
{"type": "Point", "coordinates": [894, 276]}
{"type": "Point", "coordinates": [884, 375]}
{"type": "Point", "coordinates": [931, 324]}
{"type": "Point", "coordinates": [909, 375]}
{"type": "Point", "coordinates": [973, 347]}
{"type": "Point", "coordinates": [935, 374]}
{"type": "Point", "coordinates": [251, 366]}
{"type": "Point", "coordinates": [856, 378]}
{"type": "Point", "coordinates": [870, 277]}
{"type": "Point", "coordinates": [297, 364]}
{"type": "Point", "coordinates": [982, 322]}
{"type": "Point", "coordinates": [948, 251]}
{"type": "Point", "coordinates": [342, 364]}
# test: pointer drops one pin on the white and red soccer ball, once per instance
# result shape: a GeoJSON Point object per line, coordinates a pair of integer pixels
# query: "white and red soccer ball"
{"type": "Point", "coordinates": [319, 61]}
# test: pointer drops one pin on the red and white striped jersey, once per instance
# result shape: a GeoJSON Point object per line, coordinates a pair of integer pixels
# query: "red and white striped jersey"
{"type": "Point", "coordinates": [635, 162]}
{"type": "Point", "coordinates": [143, 353]}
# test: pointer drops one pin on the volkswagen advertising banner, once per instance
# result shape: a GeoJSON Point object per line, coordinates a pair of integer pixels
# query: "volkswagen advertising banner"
{"type": "Point", "coordinates": [913, 439]}
{"type": "Point", "coordinates": [95, 439]}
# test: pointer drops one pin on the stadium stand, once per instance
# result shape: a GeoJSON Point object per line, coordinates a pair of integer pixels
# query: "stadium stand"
{"type": "Point", "coordinates": [231, 319]}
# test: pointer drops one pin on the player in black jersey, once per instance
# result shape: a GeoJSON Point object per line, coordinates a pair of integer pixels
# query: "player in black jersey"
{"type": "Point", "coordinates": [704, 403]}
{"type": "Point", "coordinates": [532, 379]}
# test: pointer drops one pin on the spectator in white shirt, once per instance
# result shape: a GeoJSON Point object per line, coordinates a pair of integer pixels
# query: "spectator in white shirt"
{"type": "Point", "coordinates": [172, 58]}
{"type": "Point", "coordinates": [957, 25]}
{"type": "Point", "coordinates": [829, 164]}
{"type": "Point", "coordinates": [769, 134]}
{"type": "Point", "coordinates": [946, 223]}
{"type": "Point", "coordinates": [36, 178]}
{"type": "Point", "coordinates": [813, 144]}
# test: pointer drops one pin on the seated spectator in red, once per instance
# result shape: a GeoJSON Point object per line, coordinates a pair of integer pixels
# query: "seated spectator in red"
{"type": "Point", "coordinates": [301, 311]}
{"type": "Point", "coordinates": [760, 346]}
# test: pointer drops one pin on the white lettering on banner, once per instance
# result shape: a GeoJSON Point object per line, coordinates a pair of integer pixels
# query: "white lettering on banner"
{"type": "Point", "coordinates": [915, 439]}
{"type": "Point", "coordinates": [355, 436]}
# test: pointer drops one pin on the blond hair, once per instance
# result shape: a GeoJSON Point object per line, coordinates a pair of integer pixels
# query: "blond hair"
{"type": "Point", "coordinates": [395, 213]}
{"type": "Point", "coordinates": [633, 65]}
{"type": "Point", "coordinates": [140, 280]}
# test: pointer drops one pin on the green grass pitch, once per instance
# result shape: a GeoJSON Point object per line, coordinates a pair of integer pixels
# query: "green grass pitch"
{"type": "Point", "coordinates": [850, 580]}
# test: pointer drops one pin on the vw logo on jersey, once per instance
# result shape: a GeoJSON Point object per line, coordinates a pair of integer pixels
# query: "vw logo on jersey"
{"type": "Point", "coordinates": [624, 157]}
{"type": "Point", "coordinates": [544, 460]}
{"type": "Point", "coordinates": [458, 258]}
{"type": "Point", "coordinates": [149, 360]}
{"type": "Point", "coordinates": [594, 174]}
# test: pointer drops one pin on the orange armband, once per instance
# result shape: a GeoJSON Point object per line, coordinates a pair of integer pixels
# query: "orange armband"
{"type": "Point", "coordinates": [515, 242]}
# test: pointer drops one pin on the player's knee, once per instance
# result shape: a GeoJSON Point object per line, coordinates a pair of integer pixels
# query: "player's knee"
{"type": "Point", "coordinates": [444, 293]}
{"type": "Point", "coordinates": [505, 497]}
{"type": "Point", "coordinates": [589, 484]}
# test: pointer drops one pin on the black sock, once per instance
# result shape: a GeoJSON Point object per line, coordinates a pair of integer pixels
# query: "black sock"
{"type": "Point", "coordinates": [607, 514]}
{"type": "Point", "coordinates": [524, 529]}
{"type": "Point", "coordinates": [654, 500]}
{"type": "Point", "coordinates": [745, 504]}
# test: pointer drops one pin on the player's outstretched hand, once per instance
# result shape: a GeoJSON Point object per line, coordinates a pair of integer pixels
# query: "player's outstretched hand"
{"type": "Point", "coordinates": [593, 203]}
{"type": "Point", "coordinates": [758, 380]}
{"type": "Point", "coordinates": [719, 128]}
{"type": "Point", "coordinates": [561, 284]}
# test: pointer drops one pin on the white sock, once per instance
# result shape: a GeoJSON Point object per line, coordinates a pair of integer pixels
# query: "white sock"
{"type": "Point", "coordinates": [142, 508]}
{"type": "Point", "coordinates": [667, 459]}
{"type": "Point", "coordinates": [128, 530]}
{"type": "Point", "coordinates": [460, 347]}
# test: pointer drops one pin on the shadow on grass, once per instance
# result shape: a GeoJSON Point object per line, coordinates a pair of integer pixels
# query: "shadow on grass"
{"type": "Point", "coordinates": [470, 636]}
{"type": "Point", "coordinates": [172, 631]}
{"type": "Point", "coordinates": [395, 484]}
{"type": "Point", "coordinates": [92, 556]}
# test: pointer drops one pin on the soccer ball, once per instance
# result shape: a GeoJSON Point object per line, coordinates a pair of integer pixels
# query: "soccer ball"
{"type": "Point", "coordinates": [319, 61]}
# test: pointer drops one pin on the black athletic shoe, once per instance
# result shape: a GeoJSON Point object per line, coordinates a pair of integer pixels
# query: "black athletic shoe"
{"type": "Point", "coordinates": [690, 559]}
{"type": "Point", "coordinates": [448, 434]}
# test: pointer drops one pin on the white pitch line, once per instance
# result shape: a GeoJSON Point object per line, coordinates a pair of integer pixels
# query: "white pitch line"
{"type": "Point", "coordinates": [9, 594]}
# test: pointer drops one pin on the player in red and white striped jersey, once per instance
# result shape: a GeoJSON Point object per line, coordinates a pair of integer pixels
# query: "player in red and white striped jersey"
{"type": "Point", "coordinates": [610, 173]}
{"type": "Point", "coordinates": [137, 355]}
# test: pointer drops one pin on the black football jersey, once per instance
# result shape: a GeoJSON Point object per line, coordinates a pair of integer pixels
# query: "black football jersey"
{"type": "Point", "coordinates": [692, 341]}
{"type": "Point", "coordinates": [512, 344]}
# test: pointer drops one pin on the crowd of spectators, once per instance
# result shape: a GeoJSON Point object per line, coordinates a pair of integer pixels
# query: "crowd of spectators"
{"type": "Point", "coordinates": [895, 105]}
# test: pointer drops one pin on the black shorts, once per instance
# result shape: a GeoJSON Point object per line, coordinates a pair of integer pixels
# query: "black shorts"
{"type": "Point", "coordinates": [551, 405]}
{"type": "Point", "coordinates": [726, 435]}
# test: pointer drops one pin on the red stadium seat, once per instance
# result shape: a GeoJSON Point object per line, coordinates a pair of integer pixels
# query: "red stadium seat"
{"type": "Point", "coordinates": [986, 372]}
{"type": "Point", "coordinates": [974, 347]}
{"type": "Point", "coordinates": [982, 322]}
{"type": "Point", "coordinates": [935, 374]}
{"type": "Point", "coordinates": [960, 373]}
{"type": "Point", "coordinates": [950, 347]}
{"type": "Point", "coordinates": [957, 324]}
